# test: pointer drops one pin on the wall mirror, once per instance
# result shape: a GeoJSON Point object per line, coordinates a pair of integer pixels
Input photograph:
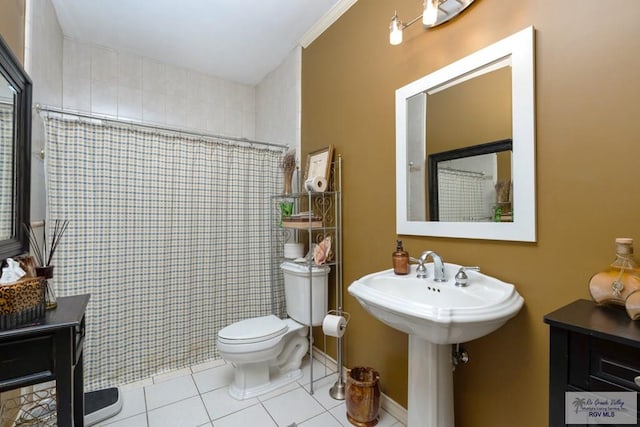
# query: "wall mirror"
{"type": "Point", "coordinates": [15, 149]}
{"type": "Point", "coordinates": [461, 120]}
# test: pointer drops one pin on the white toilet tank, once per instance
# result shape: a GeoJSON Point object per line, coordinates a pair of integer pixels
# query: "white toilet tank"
{"type": "Point", "coordinates": [296, 291]}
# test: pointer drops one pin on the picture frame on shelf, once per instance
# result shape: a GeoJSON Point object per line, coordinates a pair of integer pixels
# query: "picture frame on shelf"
{"type": "Point", "coordinates": [319, 163]}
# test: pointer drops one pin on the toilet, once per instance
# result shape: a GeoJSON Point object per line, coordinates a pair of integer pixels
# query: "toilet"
{"type": "Point", "coordinates": [267, 351]}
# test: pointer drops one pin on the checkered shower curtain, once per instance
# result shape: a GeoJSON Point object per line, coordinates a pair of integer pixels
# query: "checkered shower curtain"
{"type": "Point", "coordinates": [170, 236]}
{"type": "Point", "coordinates": [460, 196]}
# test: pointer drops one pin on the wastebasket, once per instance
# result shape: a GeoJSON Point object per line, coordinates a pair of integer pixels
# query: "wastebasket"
{"type": "Point", "coordinates": [363, 396]}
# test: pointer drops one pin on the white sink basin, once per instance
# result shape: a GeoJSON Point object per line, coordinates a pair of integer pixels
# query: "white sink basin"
{"type": "Point", "coordinates": [438, 312]}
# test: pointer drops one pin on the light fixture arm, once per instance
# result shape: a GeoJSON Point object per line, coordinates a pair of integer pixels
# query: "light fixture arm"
{"type": "Point", "coordinates": [413, 21]}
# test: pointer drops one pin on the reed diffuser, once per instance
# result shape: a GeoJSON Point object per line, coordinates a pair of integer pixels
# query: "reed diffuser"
{"type": "Point", "coordinates": [288, 166]}
{"type": "Point", "coordinates": [44, 256]}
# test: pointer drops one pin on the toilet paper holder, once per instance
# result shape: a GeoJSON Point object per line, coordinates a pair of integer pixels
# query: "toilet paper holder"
{"type": "Point", "coordinates": [338, 390]}
{"type": "Point", "coordinates": [346, 315]}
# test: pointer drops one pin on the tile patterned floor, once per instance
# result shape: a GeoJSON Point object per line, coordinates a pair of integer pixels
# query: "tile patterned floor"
{"type": "Point", "coordinates": [197, 397]}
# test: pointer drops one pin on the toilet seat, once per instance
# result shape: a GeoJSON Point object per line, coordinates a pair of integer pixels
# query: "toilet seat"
{"type": "Point", "coordinates": [254, 330]}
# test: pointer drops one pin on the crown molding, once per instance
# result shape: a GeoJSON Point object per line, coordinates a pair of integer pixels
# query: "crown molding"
{"type": "Point", "coordinates": [326, 21]}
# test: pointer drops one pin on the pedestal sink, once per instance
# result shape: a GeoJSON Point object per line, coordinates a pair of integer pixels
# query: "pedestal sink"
{"type": "Point", "coordinates": [436, 315]}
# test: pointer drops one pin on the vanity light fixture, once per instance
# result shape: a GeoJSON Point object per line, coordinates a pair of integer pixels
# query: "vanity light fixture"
{"type": "Point", "coordinates": [434, 13]}
{"type": "Point", "coordinates": [430, 14]}
{"type": "Point", "coordinates": [395, 30]}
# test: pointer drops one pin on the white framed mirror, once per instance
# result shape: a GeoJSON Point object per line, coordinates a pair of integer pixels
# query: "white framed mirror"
{"type": "Point", "coordinates": [482, 98]}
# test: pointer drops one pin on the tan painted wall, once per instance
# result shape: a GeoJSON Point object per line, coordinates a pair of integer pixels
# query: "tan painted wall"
{"type": "Point", "coordinates": [12, 25]}
{"type": "Point", "coordinates": [588, 152]}
{"type": "Point", "coordinates": [12, 31]}
{"type": "Point", "coordinates": [473, 112]}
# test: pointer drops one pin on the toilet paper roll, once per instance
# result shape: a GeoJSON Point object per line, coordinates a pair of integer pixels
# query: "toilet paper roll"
{"type": "Point", "coordinates": [316, 183]}
{"type": "Point", "coordinates": [334, 326]}
{"type": "Point", "coordinates": [293, 250]}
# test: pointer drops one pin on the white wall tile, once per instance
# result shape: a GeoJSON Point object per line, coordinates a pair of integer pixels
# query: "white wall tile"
{"type": "Point", "coordinates": [153, 76]}
{"type": "Point", "coordinates": [215, 91]}
{"type": "Point", "coordinates": [249, 126]}
{"type": "Point", "coordinates": [277, 103]}
{"type": "Point", "coordinates": [104, 97]}
{"type": "Point", "coordinates": [176, 110]}
{"type": "Point", "coordinates": [215, 117]}
{"type": "Point", "coordinates": [233, 98]}
{"type": "Point", "coordinates": [176, 81]}
{"type": "Point", "coordinates": [129, 71]}
{"type": "Point", "coordinates": [153, 107]}
{"type": "Point", "coordinates": [77, 60]}
{"type": "Point", "coordinates": [232, 123]}
{"type": "Point", "coordinates": [197, 115]}
{"type": "Point", "coordinates": [197, 86]}
{"type": "Point", "coordinates": [104, 65]}
{"type": "Point", "coordinates": [129, 103]}
{"type": "Point", "coordinates": [76, 93]}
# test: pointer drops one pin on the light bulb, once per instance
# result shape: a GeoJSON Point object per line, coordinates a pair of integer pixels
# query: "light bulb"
{"type": "Point", "coordinates": [395, 31]}
{"type": "Point", "coordinates": [430, 14]}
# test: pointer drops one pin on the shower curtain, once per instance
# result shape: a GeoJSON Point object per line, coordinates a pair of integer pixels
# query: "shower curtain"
{"type": "Point", "coordinates": [170, 236]}
{"type": "Point", "coordinates": [461, 196]}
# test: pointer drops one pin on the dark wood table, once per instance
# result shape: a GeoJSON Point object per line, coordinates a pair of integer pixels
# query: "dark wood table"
{"type": "Point", "coordinates": [49, 349]}
{"type": "Point", "coordinates": [592, 348]}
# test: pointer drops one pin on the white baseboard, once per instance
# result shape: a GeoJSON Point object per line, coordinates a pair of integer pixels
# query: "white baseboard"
{"type": "Point", "coordinates": [394, 409]}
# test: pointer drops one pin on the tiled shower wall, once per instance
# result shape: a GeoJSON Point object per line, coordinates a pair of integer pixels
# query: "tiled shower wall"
{"type": "Point", "coordinates": [127, 86]}
{"type": "Point", "coordinates": [278, 102]}
{"type": "Point", "coordinates": [43, 63]}
{"type": "Point", "coordinates": [84, 77]}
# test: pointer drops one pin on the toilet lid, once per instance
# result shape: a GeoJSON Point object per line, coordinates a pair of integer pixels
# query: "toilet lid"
{"type": "Point", "coordinates": [254, 329]}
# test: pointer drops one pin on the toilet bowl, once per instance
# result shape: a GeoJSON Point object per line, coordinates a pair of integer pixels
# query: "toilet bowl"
{"type": "Point", "coordinates": [267, 351]}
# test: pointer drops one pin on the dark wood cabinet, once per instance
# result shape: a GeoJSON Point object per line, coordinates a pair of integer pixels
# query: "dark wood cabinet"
{"type": "Point", "coordinates": [592, 348]}
{"type": "Point", "coordinates": [49, 349]}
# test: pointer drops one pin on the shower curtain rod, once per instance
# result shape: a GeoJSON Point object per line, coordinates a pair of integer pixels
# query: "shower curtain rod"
{"type": "Point", "coordinates": [463, 172]}
{"type": "Point", "coordinates": [46, 108]}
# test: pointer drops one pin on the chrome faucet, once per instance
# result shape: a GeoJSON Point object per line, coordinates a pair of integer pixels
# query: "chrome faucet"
{"type": "Point", "coordinates": [438, 266]}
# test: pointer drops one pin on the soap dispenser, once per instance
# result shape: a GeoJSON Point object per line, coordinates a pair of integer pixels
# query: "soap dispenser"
{"type": "Point", "coordinates": [400, 259]}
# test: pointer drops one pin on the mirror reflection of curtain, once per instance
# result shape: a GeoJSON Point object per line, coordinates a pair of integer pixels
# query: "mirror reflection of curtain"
{"type": "Point", "coordinates": [466, 188]}
{"type": "Point", "coordinates": [460, 196]}
{"type": "Point", "coordinates": [170, 236]}
{"type": "Point", "coordinates": [6, 171]}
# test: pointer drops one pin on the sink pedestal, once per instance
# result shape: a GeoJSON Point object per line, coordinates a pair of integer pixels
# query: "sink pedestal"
{"type": "Point", "coordinates": [430, 384]}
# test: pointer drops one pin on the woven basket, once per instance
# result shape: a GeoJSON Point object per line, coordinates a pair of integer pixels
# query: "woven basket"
{"type": "Point", "coordinates": [21, 302]}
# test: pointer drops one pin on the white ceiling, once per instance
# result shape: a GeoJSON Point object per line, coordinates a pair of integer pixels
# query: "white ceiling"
{"type": "Point", "coordinates": [238, 40]}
